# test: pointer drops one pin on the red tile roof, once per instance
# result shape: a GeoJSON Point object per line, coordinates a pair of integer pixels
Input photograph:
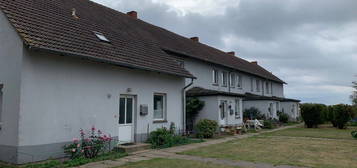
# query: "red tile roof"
{"type": "Point", "coordinates": [49, 25]}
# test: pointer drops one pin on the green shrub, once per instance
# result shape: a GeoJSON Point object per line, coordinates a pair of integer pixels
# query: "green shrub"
{"type": "Point", "coordinates": [206, 128]}
{"type": "Point", "coordinates": [284, 118]}
{"type": "Point", "coordinates": [268, 124]}
{"type": "Point", "coordinates": [164, 138]}
{"type": "Point", "coordinates": [342, 115]}
{"type": "Point", "coordinates": [311, 114]}
{"type": "Point", "coordinates": [354, 134]}
{"type": "Point", "coordinates": [253, 113]}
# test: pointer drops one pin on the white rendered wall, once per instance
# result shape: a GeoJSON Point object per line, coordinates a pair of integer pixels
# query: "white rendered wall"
{"type": "Point", "coordinates": [262, 106]}
{"type": "Point", "coordinates": [203, 72]}
{"type": "Point", "coordinates": [11, 48]}
{"type": "Point", "coordinates": [61, 95]}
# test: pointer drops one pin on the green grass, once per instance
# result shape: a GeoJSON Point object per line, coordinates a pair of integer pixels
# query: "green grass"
{"type": "Point", "coordinates": [70, 163]}
{"type": "Point", "coordinates": [290, 147]}
{"type": "Point", "coordinates": [172, 163]}
{"type": "Point", "coordinates": [324, 131]}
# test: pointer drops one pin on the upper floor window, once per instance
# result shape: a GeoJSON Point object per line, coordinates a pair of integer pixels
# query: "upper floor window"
{"type": "Point", "coordinates": [251, 84]}
{"type": "Point", "coordinates": [159, 106]}
{"type": "Point", "coordinates": [239, 81]}
{"type": "Point", "coordinates": [1, 102]}
{"type": "Point", "coordinates": [224, 78]}
{"type": "Point", "coordinates": [258, 85]}
{"type": "Point", "coordinates": [232, 80]}
{"type": "Point", "coordinates": [215, 76]}
{"type": "Point", "coordinates": [267, 87]}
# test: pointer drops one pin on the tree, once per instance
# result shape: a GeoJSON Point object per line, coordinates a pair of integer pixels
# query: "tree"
{"type": "Point", "coordinates": [354, 94]}
{"type": "Point", "coordinates": [193, 107]}
{"type": "Point", "coordinates": [311, 114]}
{"type": "Point", "coordinates": [342, 114]}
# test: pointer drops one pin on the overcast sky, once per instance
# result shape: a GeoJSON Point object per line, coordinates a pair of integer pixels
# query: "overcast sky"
{"type": "Point", "coordinates": [310, 44]}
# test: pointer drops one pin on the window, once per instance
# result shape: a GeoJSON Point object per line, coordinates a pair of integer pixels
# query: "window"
{"type": "Point", "coordinates": [239, 81]}
{"type": "Point", "coordinates": [271, 88]}
{"type": "Point", "coordinates": [238, 109]}
{"type": "Point", "coordinates": [224, 79]}
{"type": "Point", "coordinates": [1, 102]}
{"type": "Point", "coordinates": [267, 87]}
{"type": "Point", "coordinates": [251, 85]}
{"type": "Point", "coordinates": [101, 37]}
{"type": "Point", "coordinates": [223, 108]}
{"type": "Point", "coordinates": [215, 77]}
{"type": "Point", "coordinates": [159, 106]}
{"type": "Point", "coordinates": [232, 80]}
{"type": "Point", "coordinates": [258, 85]}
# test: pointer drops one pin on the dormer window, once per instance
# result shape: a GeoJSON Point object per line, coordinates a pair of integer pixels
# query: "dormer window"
{"type": "Point", "coordinates": [101, 37]}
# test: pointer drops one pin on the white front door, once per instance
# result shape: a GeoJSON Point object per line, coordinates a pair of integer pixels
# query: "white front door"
{"type": "Point", "coordinates": [126, 118]}
{"type": "Point", "coordinates": [223, 112]}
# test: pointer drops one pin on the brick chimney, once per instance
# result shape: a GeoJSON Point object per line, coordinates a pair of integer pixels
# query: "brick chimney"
{"type": "Point", "coordinates": [255, 62]}
{"type": "Point", "coordinates": [133, 14]}
{"type": "Point", "coordinates": [195, 39]}
{"type": "Point", "coordinates": [232, 53]}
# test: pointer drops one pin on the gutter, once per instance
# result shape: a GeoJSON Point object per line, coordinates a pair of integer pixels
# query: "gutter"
{"type": "Point", "coordinates": [184, 105]}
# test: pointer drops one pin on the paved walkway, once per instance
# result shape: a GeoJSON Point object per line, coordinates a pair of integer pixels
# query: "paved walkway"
{"type": "Point", "coordinates": [172, 154]}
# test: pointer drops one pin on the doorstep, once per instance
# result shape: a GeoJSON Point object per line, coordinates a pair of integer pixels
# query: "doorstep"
{"type": "Point", "coordinates": [133, 148]}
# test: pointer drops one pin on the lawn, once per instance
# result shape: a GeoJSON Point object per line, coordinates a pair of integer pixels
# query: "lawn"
{"type": "Point", "coordinates": [324, 131]}
{"type": "Point", "coordinates": [172, 163]}
{"type": "Point", "coordinates": [290, 147]}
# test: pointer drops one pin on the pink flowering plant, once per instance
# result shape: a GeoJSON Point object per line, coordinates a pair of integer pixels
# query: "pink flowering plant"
{"type": "Point", "coordinates": [89, 145]}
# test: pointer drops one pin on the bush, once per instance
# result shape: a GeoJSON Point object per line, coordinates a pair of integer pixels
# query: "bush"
{"type": "Point", "coordinates": [311, 114]}
{"type": "Point", "coordinates": [89, 146]}
{"type": "Point", "coordinates": [164, 138]}
{"type": "Point", "coordinates": [342, 115]}
{"type": "Point", "coordinates": [253, 113]}
{"type": "Point", "coordinates": [268, 124]}
{"type": "Point", "coordinates": [284, 118]}
{"type": "Point", "coordinates": [206, 128]}
{"type": "Point", "coordinates": [354, 134]}
{"type": "Point", "coordinates": [193, 106]}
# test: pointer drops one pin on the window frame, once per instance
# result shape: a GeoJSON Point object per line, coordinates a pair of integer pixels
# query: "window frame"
{"type": "Point", "coordinates": [232, 80]}
{"type": "Point", "coordinates": [239, 81]}
{"type": "Point", "coordinates": [101, 37]}
{"type": "Point", "coordinates": [257, 85]}
{"type": "Point", "coordinates": [224, 79]}
{"type": "Point", "coordinates": [1, 103]}
{"type": "Point", "coordinates": [238, 111]}
{"type": "Point", "coordinates": [164, 106]}
{"type": "Point", "coordinates": [215, 77]}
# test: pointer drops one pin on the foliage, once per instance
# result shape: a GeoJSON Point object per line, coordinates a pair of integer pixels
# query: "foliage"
{"type": "Point", "coordinates": [89, 146]}
{"type": "Point", "coordinates": [311, 114]}
{"type": "Point", "coordinates": [283, 117]}
{"type": "Point", "coordinates": [164, 138]}
{"type": "Point", "coordinates": [354, 134]}
{"type": "Point", "coordinates": [253, 113]}
{"type": "Point", "coordinates": [206, 128]}
{"type": "Point", "coordinates": [354, 94]}
{"type": "Point", "coordinates": [193, 106]}
{"type": "Point", "coordinates": [342, 115]}
{"type": "Point", "coordinates": [268, 124]}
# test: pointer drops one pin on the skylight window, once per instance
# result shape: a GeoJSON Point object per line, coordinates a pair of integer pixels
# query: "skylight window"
{"type": "Point", "coordinates": [101, 37]}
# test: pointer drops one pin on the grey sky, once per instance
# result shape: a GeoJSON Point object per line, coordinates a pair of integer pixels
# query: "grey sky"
{"type": "Point", "coordinates": [312, 45]}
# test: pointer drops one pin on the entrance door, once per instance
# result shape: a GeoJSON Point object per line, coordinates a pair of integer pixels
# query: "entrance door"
{"type": "Point", "coordinates": [223, 112]}
{"type": "Point", "coordinates": [126, 115]}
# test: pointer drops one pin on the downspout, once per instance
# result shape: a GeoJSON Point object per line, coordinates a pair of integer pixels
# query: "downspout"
{"type": "Point", "coordinates": [184, 105]}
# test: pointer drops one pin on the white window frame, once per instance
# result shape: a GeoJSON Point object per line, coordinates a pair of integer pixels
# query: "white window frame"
{"type": "Point", "coordinates": [215, 77]}
{"type": "Point", "coordinates": [1, 103]}
{"type": "Point", "coordinates": [251, 84]}
{"type": "Point", "coordinates": [238, 108]}
{"type": "Point", "coordinates": [164, 110]}
{"type": "Point", "coordinates": [239, 81]}
{"type": "Point", "coordinates": [257, 85]}
{"type": "Point", "coordinates": [225, 78]}
{"type": "Point", "coordinates": [232, 80]}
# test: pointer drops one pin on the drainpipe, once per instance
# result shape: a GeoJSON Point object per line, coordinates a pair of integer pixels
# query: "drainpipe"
{"type": "Point", "coordinates": [184, 105]}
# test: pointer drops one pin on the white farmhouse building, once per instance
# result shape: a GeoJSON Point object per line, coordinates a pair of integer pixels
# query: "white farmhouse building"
{"type": "Point", "coordinates": [67, 65]}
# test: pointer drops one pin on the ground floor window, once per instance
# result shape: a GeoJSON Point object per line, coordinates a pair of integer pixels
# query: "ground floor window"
{"type": "Point", "coordinates": [159, 106]}
{"type": "Point", "coordinates": [1, 101]}
{"type": "Point", "coordinates": [238, 109]}
{"type": "Point", "coordinates": [223, 108]}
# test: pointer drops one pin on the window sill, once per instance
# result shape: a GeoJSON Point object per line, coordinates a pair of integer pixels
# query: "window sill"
{"type": "Point", "coordinates": [159, 121]}
{"type": "Point", "coordinates": [215, 84]}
